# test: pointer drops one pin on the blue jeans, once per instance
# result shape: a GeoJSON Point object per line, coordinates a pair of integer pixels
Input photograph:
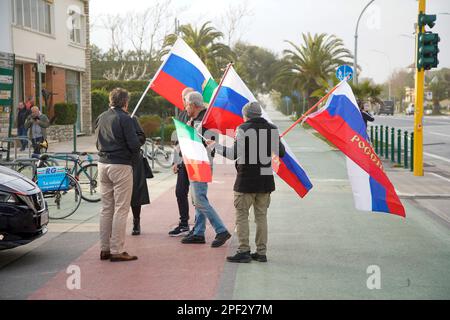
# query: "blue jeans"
{"type": "Point", "coordinates": [22, 132]}
{"type": "Point", "coordinates": [204, 210]}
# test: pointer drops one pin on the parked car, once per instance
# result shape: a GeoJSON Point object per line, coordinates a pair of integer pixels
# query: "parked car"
{"type": "Point", "coordinates": [23, 210]}
{"type": "Point", "coordinates": [387, 108]}
{"type": "Point", "coordinates": [410, 109]}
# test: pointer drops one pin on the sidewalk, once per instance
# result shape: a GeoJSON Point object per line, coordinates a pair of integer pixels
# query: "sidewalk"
{"type": "Point", "coordinates": [320, 247]}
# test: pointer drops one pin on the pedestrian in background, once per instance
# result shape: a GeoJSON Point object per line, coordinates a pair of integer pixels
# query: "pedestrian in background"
{"type": "Point", "coordinates": [182, 186]}
{"type": "Point", "coordinates": [118, 144]}
{"type": "Point", "coordinates": [256, 140]}
{"type": "Point", "coordinates": [22, 115]}
{"type": "Point", "coordinates": [141, 172]}
{"type": "Point", "coordinates": [37, 124]}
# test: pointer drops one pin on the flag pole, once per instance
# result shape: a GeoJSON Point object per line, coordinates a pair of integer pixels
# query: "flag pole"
{"type": "Point", "coordinates": [216, 93]}
{"type": "Point", "coordinates": [312, 108]}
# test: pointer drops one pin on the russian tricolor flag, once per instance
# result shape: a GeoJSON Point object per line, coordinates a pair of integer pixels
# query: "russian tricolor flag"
{"type": "Point", "coordinates": [181, 69]}
{"type": "Point", "coordinates": [225, 115]}
{"type": "Point", "coordinates": [341, 123]}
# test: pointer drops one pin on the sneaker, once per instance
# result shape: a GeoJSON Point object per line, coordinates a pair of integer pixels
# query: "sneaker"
{"type": "Point", "coordinates": [240, 257]}
{"type": "Point", "coordinates": [221, 238]}
{"type": "Point", "coordinates": [259, 257]}
{"type": "Point", "coordinates": [105, 255]}
{"type": "Point", "coordinates": [193, 239]}
{"type": "Point", "coordinates": [179, 231]}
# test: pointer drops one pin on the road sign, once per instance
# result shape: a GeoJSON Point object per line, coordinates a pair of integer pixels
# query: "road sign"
{"type": "Point", "coordinates": [40, 58]}
{"type": "Point", "coordinates": [343, 72]}
{"type": "Point", "coordinates": [6, 78]}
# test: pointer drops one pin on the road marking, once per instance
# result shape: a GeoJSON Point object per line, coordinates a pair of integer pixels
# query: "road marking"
{"type": "Point", "coordinates": [436, 157]}
{"type": "Point", "coordinates": [439, 176]}
{"type": "Point", "coordinates": [440, 134]}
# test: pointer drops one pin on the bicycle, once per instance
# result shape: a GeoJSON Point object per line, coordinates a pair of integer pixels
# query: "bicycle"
{"type": "Point", "coordinates": [65, 197]}
{"type": "Point", "coordinates": [85, 171]}
{"type": "Point", "coordinates": [154, 150]}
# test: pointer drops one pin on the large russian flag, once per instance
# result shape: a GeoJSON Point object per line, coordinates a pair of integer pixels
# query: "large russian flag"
{"type": "Point", "coordinates": [181, 69]}
{"type": "Point", "coordinates": [225, 115]}
{"type": "Point", "coordinates": [341, 123]}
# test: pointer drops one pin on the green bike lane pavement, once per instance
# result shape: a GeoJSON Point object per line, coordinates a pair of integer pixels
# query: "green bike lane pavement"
{"type": "Point", "coordinates": [321, 247]}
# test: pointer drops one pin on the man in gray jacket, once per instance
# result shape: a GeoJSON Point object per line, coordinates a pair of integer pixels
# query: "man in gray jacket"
{"type": "Point", "coordinates": [117, 143]}
{"type": "Point", "coordinates": [37, 124]}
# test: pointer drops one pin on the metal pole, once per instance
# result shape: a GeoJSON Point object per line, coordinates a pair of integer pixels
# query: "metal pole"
{"type": "Point", "coordinates": [412, 151]}
{"type": "Point", "coordinates": [386, 136]}
{"type": "Point", "coordinates": [392, 144]}
{"type": "Point", "coordinates": [417, 162]}
{"type": "Point", "coordinates": [399, 146]}
{"type": "Point", "coordinates": [405, 153]}
{"type": "Point", "coordinates": [355, 61]}
{"type": "Point", "coordinates": [381, 140]}
{"type": "Point", "coordinates": [376, 140]}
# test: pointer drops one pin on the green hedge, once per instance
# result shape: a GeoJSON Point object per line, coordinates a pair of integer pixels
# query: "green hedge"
{"type": "Point", "coordinates": [100, 102]}
{"type": "Point", "coordinates": [65, 113]}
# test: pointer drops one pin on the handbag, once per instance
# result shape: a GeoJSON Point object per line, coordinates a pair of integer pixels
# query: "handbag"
{"type": "Point", "coordinates": [148, 173]}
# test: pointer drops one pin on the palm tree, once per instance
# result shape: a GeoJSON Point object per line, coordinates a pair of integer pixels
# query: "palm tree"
{"type": "Point", "coordinates": [206, 44]}
{"type": "Point", "coordinates": [309, 66]}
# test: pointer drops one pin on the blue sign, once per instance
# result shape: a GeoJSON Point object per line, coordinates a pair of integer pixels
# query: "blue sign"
{"type": "Point", "coordinates": [343, 72]}
{"type": "Point", "coordinates": [52, 179]}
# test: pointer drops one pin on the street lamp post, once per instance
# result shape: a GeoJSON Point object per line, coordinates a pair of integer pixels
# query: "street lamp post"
{"type": "Point", "coordinates": [355, 60]}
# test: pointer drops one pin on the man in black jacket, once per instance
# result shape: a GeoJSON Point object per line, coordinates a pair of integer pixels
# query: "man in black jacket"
{"type": "Point", "coordinates": [182, 186]}
{"type": "Point", "coordinates": [117, 143]}
{"type": "Point", "coordinates": [256, 141]}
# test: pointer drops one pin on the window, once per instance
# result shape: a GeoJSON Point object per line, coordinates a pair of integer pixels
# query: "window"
{"type": "Point", "coordinates": [76, 33]}
{"type": "Point", "coordinates": [33, 14]}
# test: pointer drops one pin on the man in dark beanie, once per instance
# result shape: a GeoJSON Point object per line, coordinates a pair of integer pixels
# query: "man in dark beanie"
{"type": "Point", "coordinates": [255, 143]}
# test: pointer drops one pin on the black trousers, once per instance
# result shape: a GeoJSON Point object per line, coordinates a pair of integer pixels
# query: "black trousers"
{"type": "Point", "coordinates": [181, 192]}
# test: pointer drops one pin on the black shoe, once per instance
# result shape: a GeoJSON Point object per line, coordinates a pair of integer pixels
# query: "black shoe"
{"type": "Point", "coordinates": [193, 239]}
{"type": "Point", "coordinates": [221, 238]}
{"type": "Point", "coordinates": [259, 257]}
{"type": "Point", "coordinates": [136, 227]}
{"type": "Point", "coordinates": [240, 257]}
{"type": "Point", "coordinates": [179, 231]}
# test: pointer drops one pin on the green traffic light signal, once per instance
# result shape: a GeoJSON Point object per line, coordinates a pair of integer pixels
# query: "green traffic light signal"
{"type": "Point", "coordinates": [428, 50]}
{"type": "Point", "coordinates": [427, 20]}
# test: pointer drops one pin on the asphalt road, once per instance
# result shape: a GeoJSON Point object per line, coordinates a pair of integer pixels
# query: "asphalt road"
{"type": "Point", "coordinates": [436, 137]}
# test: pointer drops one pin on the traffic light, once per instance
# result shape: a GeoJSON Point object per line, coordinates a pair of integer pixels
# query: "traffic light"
{"type": "Point", "coordinates": [427, 44]}
{"type": "Point", "coordinates": [427, 20]}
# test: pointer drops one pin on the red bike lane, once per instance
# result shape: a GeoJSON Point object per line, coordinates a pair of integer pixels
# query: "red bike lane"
{"type": "Point", "coordinates": [166, 268]}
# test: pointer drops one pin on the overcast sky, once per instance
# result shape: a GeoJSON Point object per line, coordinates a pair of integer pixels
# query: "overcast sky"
{"type": "Point", "coordinates": [383, 44]}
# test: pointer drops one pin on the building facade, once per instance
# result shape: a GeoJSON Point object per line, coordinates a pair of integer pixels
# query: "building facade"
{"type": "Point", "coordinates": [58, 30]}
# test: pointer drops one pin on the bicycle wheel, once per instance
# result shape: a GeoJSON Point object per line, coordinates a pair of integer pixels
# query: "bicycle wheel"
{"type": "Point", "coordinates": [62, 204]}
{"type": "Point", "coordinates": [87, 177]}
{"type": "Point", "coordinates": [164, 156]}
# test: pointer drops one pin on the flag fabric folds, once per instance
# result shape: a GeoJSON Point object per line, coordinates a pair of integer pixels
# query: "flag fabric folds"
{"type": "Point", "coordinates": [195, 156]}
{"type": "Point", "coordinates": [181, 69]}
{"type": "Point", "coordinates": [225, 115]}
{"type": "Point", "coordinates": [341, 123]}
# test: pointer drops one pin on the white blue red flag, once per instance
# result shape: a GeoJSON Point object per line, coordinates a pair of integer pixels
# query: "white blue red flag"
{"type": "Point", "coordinates": [225, 115]}
{"type": "Point", "coordinates": [341, 123]}
{"type": "Point", "coordinates": [181, 69]}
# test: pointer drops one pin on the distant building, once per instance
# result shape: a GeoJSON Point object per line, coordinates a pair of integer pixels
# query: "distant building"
{"type": "Point", "coordinates": [58, 29]}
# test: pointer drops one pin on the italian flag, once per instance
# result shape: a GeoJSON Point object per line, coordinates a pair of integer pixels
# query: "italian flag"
{"type": "Point", "coordinates": [195, 156]}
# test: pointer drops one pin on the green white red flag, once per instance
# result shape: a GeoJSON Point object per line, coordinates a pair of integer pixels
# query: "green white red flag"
{"type": "Point", "coordinates": [195, 156]}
